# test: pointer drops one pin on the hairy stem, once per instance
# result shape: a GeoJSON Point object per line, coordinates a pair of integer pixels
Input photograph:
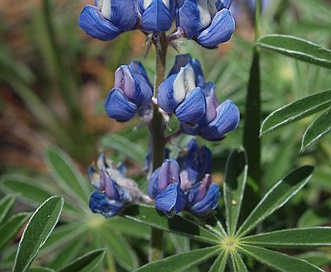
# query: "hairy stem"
{"type": "Point", "coordinates": [158, 140]}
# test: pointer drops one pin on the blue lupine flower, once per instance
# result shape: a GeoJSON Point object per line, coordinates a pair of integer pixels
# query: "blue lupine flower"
{"type": "Point", "coordinates": [113, 191]}
{"type": "Point", "coordinates": [218, 120]}
{"type": "Point", "coordinates": [179, 93]}
{"type": "Point", "coordinates": [202, 198]}
{"type": "Point", "coordinates": [164, 187]}
{"type": "Point", "coordinates": [109, 18]}
{"type": "Point", "coordinates": [132, 93]}
{"type": "Point", "coordinates": [209, 22]}
{"type": "Point", "coordinates": [195, 164]}
{"type": "Point", "coordinates": [112, 199]}
{"type": "Point", "coordinates": [156, 15]}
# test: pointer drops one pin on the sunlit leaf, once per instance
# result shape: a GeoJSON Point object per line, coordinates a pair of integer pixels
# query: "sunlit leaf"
{"type": "Point", "coordinates": [180, 262]}
{"type": "Point", "coordinates": [276, 197]}
{"type": "Point", "coordinates": [10, 227]}
{"type": "Point", "coordinates": [237, 262]}
{"type": "Point", "coordinates": [234, 187]}
{"type": "Point", "coordinates": [296, 110]}
{"type": "Point", "coordinates": [317, 129]}
{"type": "Point", "coordinates": [300, 237]}
{"type": "Point", "coordinates": [279, 261]}
{"type": "Point", "coordinates": [38, 229]}
{"type": "Point", "coordinates": [86, 263]}
{"type": "Point", "coordinates": [220, 263]}
{"type": "Point", "coordinates": [297, 48]}
{"type": "Point", "coordinates": [151, 217]}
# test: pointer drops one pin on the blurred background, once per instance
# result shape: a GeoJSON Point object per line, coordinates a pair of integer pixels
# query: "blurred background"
{"type": "Point", "coordinates": [54, 79]}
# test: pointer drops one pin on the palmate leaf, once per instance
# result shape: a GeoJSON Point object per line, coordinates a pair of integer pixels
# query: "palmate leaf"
{"type": "Point", "coordinates": [296, 111]}
{"type": "Point", "coordinates": [151, 217]}
{"type": "Point", "coordinates": [317, 129]}
{"type": "Point", "coordinates": [40, 269]}
{"type": "Point", "coordinates": [276, 197]}
{"type": "Point", "coordinates": [86, 263]}
{"type": "Point", "coordinates": [220, 263]}
{"type": "Point", "coordinates": [290, 238]}
{"type": "Point", "coordinates": [234, 187]}
{"type": "Point", "coordinates": [237, 262]}
{"type": "Point", "coordinates": [279, 261]}
{"type": "Point", "coordinates": [67, 175]}
{"type": "Point", "coordinates": [38, 229]}
{"type": "Point", "coordinates": [297, 48]}
{"type": "Point", "coordinates": [180, 262]}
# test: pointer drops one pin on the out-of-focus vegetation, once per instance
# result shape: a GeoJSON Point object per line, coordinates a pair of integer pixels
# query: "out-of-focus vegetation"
{"type": "Point", "coordinates": [53, 81]}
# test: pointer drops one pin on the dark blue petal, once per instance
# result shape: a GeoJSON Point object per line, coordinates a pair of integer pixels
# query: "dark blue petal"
{"type": "Point", "coordinates": [124, 14]}
{"type": "Point", "coordinates": [180, 61]}
{"type": "Point", "coordinates": [227, 119]}
{"type": "Point", "coordinates": [190, 129]}
{"type": "Point", "coordinates": [153, 186]}
{"type": "Point", "coordinates": [125, 82]}
{"type": "Point", "coordinates": [110, 188]}
{"type": "Point", "coordinates": [208, 203]}
{"type": "Point", "coordinates": [192, 108]}
{"type": "Point", "coordinates": [165, 97]}
{"type": "Point", "coordinates": [172, 199]}
{"type": "Point", "coordinates": [169, 173]}
{"type": "Point", "coordinates": [118, 107]}
{"type": "Point", "coordinates": [220, 4]}
{"type": "Point", "coordinates": [137, 68]}
{"type": "Point", "coordinates": [189, 18]}
{"type": "Point", "coordinates": [95, 25]}
{"type": "Point", "coordinates": [199, 77]}
{"type": "Point", "coordinates": [99, 203]}
{"type": "Point", "coordinates": [157, 16]}
{"type": "Point", "coordinates": [219, 31]}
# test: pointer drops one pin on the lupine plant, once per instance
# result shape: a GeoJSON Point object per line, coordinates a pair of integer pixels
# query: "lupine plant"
{"type": "Point", "coordinates": [217, 227]}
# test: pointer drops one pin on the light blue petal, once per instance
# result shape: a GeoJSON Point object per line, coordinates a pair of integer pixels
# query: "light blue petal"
{"type": "Point", "coordinates": [227, 119]}
{"type": "Point", "coordinates": [99, 203]}
{"type": "Point", "coordinates": [192, 108]}
{"type": "Point", "coordinates": [165, 97]}
{"type": "Point", "coordinates": [110, 188]}
{"type": "Point", "coordinates": [157, 16]}
{"type": "Point", "coordinates": [172, 199]}
{"type": "Point", "coordinates": [95, 25]}
{"type": "Point", "coordinates": [219, 31]}
{"type": "Point", "coordinates": [118, 107]}
{"type": "Point", "coordinates": [208, 203]}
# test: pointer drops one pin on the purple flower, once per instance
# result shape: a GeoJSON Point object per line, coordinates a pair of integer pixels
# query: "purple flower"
{"type": "Point", "coordinates": [202, 197]}
{"type": "Point", "coordinates": [209, 22]}
{"type": "Point", "coordinates": [132, 93]}
{"type": "Point", "coordinates": [108, 18]}
{"type": "Point", "coordinates": [164, 187]}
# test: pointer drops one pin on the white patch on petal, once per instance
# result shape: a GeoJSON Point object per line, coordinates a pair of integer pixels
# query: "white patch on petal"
{"type": "Point", "coordinates": [205, 16]}
{"type": "Point", "coordinates": [184, 83]}
{"type": "Point", "coordinates": [147, 3]}
{"type": "Point", "coordinates": [166, 2]}
{"type": "Point", "coordinates": [106, 8]}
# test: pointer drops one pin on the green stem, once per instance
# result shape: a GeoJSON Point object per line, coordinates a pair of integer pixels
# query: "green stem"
{"type": "Point", "coordinates": [158, 140]}
{"type": "Point", "coordinates": [251, 139]}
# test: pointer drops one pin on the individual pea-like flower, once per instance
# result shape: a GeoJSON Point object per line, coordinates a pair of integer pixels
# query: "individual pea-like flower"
{"type": "Point", "coordinates": [109, 18]}
{"type": "Point", "coordinates": [113, 191]}
{"type": "Point", "coordinates": [218, 120]}
{"type": "Point", "coordinates": [208, 22]}
{"type": "Point", "coordinates": [202, 197]}
{"type": "Point", "coordinates": [180, 94]}
{"type": "Point", "coordinates": [164, 188]}
{"type": "Point", "coordinates": [132, 93]}
{"type": "Point", "coordinates": [195, 164]}
{"type": "Point", "coordinates": [156, 15]}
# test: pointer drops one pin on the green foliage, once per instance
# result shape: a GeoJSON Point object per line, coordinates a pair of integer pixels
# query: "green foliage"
{"type": "Point", "coordinates": [228, 243]}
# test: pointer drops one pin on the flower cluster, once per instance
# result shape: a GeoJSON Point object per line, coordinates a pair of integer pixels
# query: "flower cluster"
{"type": "Point", "coordinates": [178, 184]}
{"type": "Point", "coordinates": [185, 183]}
{"type": "Point", "coordinates": [186, 94]}
{"type": "Point", "coordinates": [208, 22]}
